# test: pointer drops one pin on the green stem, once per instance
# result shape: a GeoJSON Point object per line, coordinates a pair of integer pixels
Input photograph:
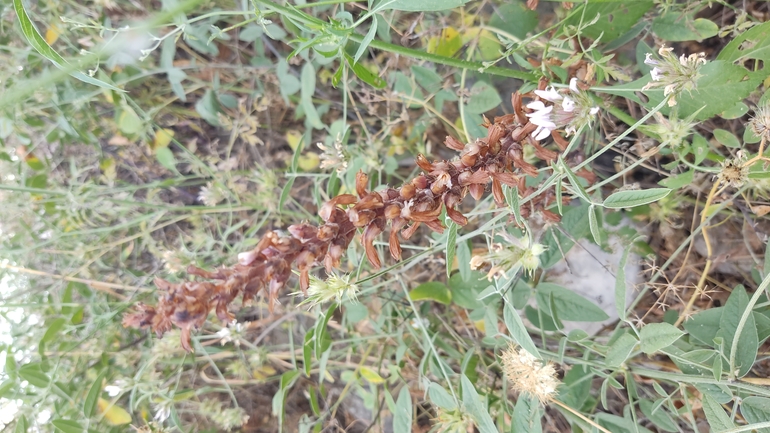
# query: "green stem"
{"type": "Point", "coordinates": [749, 427]}
{"type": "Point", "coordinates": [409, 52]}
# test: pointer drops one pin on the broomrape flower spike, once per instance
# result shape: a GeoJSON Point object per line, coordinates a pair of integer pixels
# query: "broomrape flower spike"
{"type": "Point", "coordinates": [529, 375]}
{"type": "Point", "coordinates": [569, 111]}
{"type": "Point", "coordinates": [674, 75]}
{"type": "Point", "coordinates": [517, 255]}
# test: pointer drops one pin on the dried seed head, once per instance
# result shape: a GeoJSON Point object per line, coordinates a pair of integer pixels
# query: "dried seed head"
{"type": "Point", "coordinates": [760, 123]}
{"type": "Point", "coordinates": [529, 375]}
{"type": "Point", "coordinates": [735, 172]}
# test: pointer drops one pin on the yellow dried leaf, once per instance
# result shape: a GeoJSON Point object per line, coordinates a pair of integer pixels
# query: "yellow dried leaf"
{"type": "Point", "coordinates": [114, 415]}
{"type": "Point", "coordinates": [761, 210]}
{"type": "Point", "coordinates": [162, 138]}
{"type": "Point", "coordinates": [479, 324]}
{"type": "Point", "coordinates": [52, 34]}
{"type": "Point", "coordinates": [371, 376]}
{"type": "Point", "coordinates": [309, 161]}
{"type": "Point", "coordinates": [447, 44]}
{"type": "Point", "coordinates": [293, 137]}
{"type": "Point", "coordinates": [263, 372]}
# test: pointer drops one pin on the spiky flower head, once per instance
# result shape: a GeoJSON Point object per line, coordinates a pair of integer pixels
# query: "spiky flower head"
{"type": "Point", "coordinates": [570, 110]}
{"type": "Point", "coordinates": [227, 418]}
{"type": "Point", "coordinates": [528, 375]}
{"type": "Point", "coordinates": [760, 123]}
{"type": "Point", "coordinates": [675, 75]}
{"type": "Point", "coordinates": [673, 130]}
{"type": "Point", "coordinates": [334, 288]}
{"type": "Point", "coordinates": [514, 255]}
{"type": "Point", "coordinates": [452, 421]}
{"type": "Point", "coordinates": [735, 171]}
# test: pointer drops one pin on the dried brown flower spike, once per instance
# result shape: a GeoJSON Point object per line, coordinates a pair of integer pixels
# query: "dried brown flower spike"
{"type": "Point", "coordinates": [497, 159]}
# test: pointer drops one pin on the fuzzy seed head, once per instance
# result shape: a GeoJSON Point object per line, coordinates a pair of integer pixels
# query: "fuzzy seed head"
{"type": "Point", "coordinates": [454, 421]}
{"type": "Point", "coordinates": [334, 288]}
{"type": "Point", "coordinates": [529, 375]}
{"type": "Point", "coordinates": [514, 255]}
{"type": "Point", "coordinates": [760, 123]}
{"type": "Point", "coordinates": [735, 172]}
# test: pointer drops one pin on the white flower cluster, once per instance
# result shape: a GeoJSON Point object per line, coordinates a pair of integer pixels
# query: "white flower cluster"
{"type": "Point", "coordinates": [569, 111]}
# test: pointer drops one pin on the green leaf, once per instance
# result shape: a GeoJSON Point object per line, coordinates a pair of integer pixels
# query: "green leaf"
{"type": "Point", "coordinates": [678, 181]}
{"type": "Point", "coordinates": [89, 406]}
{"type": "Point", "coordinates": [53, 329]}
{"type": "Point", "coordinates": [593, 223]}
{"type": "Point", "coordinates": [575, 223]}
{"type": "Point", "coordinates": [727, 138]}
{"type": "Point", "coordinates": [67, 426]}
{"type": "Point", "coordinates": [402, 418]}
{"type": "Point", "coordinates": [677, 27]}
{"type": "Point", "coordinates": [365, 74]}
{"type": "Point", "coordinates": [129, 122]}
{"type": "Point", "coordinates": [6, 386]}
{"type": "Point", "coordinates": [737, 110]}
{"type": "Point", "coordinates": [614, 18]}
{"type": "Point", "coordinates": [34, 375]}
{"type": "Point", "coordinates": [752, 44]}
{"type": "Point", "coordinates": [703, 326]}
{"type": "Point", "coordinates": [569, 305]}
{"type": "Point", "coordinates": [766, 265]}
{"type": "Point", "coordinates": [419, 6]}
{"type": "Point", "coordinates": [465, 293]}
{"type": "Point", "coordinates": [440, 397]}
{"type": "Point", "coordinates": [208, 108]}
{"type": "Point", "coordinates": [433, 291]}
{"type": "Point", "coordinates": [716, 416]}
{"type": "Point", "coordinates": [700, 148]}
{"type": "Point", "coordinates": [367, 39]}
{"type": "Point", "coordinates": [307, 90]}
{"type": "Point", "coordinates": [620, 350]}
{"type": "Point", "coordinates": [473, 404]}
{"type": "Point", "coordinates": [720, 87]}
{"type": "Point", "coordinates": [483, 98]}
{"type": "Point", "coordinates": [514, 18]}
{"type": "Point", "coordinates": [659, 417]}
{"type": "Point", "coordinates": [633, 198]}
{"type": "Point", "coordinates": [451, 246]}
{"type": "Point", "coordinates": [37, 42]}
{"type": "Point", "coordinates": [656, 336]}
{"type": "Point", "coordinates": [166, 158]}
{"type": "Point", "coordinates": [526, 416]}
{"type": "Point", "coordinates": [21, 425]}
{"type": "Point", "coordinates": [755, 410]}
{"type": "Point", "coordinates": [620, 283]}
{"type": "Point", "coordinates": [746, 351]}
{"type": "Point", "coordinates": [517, 330]}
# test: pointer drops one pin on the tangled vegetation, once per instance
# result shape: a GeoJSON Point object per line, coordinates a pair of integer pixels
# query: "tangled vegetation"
{"type": "Point", "coordinates": [385, 216]}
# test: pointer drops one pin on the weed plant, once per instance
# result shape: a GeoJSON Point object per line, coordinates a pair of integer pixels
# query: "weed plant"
{"type": "Point", "coordinates": [196, 198]}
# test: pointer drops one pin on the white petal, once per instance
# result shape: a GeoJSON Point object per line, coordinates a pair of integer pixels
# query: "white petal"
{"type": "Point", "coordinates": [549, 94]}
{"type": "Point", "coordinates": [649, 60]}
{"type": "Point", "coordinates": [656, 74]}
{"type": "Point", "coordinates": [594, 110]}
{"type": "Point", "coordinates": [568, 104]}
{"type": "Point", "coordinates": [544, 121]}
{"type": "Point", "coordinates": [573, 85]}
{"type": "Point", "coordinates": [542, 133]}
{"type": "Point", "coordinates": [536, 105]}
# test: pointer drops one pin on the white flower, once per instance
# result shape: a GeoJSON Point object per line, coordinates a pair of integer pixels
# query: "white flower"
{"type": "Point", "coordinates": [569, 111]}
{"type": "Point", "coordinates": [232, 332]}
{"type": "Point", "coordinates": [675, 75]}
